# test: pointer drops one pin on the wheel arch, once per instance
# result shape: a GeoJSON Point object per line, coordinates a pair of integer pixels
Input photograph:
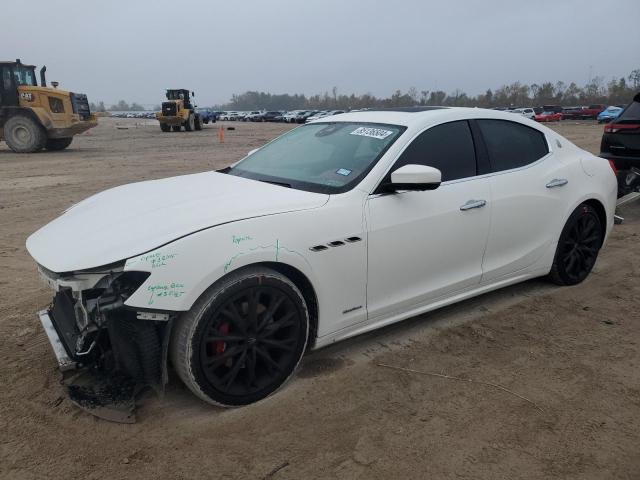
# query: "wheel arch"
{"type": "Point", "coordinates": [598, 206]}
{"type": "Point", "coordinates": [298, 278]}
{"type": "Point", "coordinates": [9, 112]}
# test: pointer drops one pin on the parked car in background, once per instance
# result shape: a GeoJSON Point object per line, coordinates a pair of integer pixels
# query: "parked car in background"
{"type": "Point", "coordinates": [229, 116]}
{"type": "Point", "coordinates": [548, 116]}
{"type": "Point", "coordinates": [552, 108]}
{"type": "Point", "coordinates": [290, 117]}
{"type": "Point", "coordinates": [247, 116]}
{"type": "Point", "coordinates": [254, 116]}
{"type": "Point", "coordinates": [592, 111]}
{"type": "Point", "coordinates": [525, 112]}
{"type": "Point", "coordinates": [574, 113]}
{"type": "Point", "coordinates": [302, 117]}
{"type": "Point", "coordinates": [609, 113]}
{"type": "Point", "coordinates": [621, 146]}
{"type": "Point", "coordinates": [206, 115]}
{"type": "Point", "coordinates": [280, 118]}
{"type": "Point", "coordinates": [271, 116]}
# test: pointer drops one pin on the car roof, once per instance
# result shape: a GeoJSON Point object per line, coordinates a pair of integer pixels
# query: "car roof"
{"type": "Point", "coordinates": [423, 116]}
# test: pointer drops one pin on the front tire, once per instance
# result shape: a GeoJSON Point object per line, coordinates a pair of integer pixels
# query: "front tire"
{"type": "Point", "coordinates": [242, 339]}
{"type": "Point", "coordinates": [578, 247]}
{"type": "Point", "coordinates": [176, 128]}
{"type": "Point", "coordinates": [24, 135]}
{"type": "Point", "coordinates": [165, 127]}
{"type": "Point", "coordinates": [198, 122]}
{"type": "Point", "coordinates": [54, 144]}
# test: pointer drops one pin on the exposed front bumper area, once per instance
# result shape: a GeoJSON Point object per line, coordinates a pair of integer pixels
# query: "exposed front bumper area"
{"type": "Point", "coordinates": [64, 360]}
{"type": "Point", "coordinates": [107, 353]}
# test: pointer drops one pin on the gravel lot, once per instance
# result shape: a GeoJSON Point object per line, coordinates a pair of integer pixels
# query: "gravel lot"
{"type": "Point", "coordinates": [573, 353]}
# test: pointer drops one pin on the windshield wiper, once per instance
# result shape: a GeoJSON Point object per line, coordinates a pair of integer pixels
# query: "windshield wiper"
{"type": "Point", "coordinates": [281, 184]}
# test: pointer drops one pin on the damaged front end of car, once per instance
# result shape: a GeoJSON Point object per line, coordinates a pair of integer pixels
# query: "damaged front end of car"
{"type": "Point", "coordinates": [108, 353]}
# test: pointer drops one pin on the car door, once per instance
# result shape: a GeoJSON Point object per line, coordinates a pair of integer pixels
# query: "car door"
{"type": "Point", "coordinates": [425, 245]}
{"type": "Point", "coordinates": [529, 195]}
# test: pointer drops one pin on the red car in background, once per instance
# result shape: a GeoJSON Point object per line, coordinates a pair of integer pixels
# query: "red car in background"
{"type": "Point", "coordinates": [548, 117]}
{"type": "Point", "coordinates": [592, 111]}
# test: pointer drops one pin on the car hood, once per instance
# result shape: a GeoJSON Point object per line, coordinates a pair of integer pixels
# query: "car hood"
{"type": "Point", "coordinates": [129, 220]}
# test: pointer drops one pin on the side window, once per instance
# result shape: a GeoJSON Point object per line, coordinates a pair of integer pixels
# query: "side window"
{"type": "Point", "coordinates": [447, 147]}
{"type": "Point", "coordinates": [512, 145]}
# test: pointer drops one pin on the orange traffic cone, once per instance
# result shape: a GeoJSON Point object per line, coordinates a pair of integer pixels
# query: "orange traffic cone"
{"type": "Point", "coordinates": [221, 134]}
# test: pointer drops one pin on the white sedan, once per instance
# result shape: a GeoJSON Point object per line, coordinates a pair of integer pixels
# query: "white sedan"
{"type": "Point", "coordinates": [336, 228]}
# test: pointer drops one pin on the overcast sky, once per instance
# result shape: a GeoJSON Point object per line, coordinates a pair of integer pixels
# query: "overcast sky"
{"type": "Point", "coordinates": [134, 49]}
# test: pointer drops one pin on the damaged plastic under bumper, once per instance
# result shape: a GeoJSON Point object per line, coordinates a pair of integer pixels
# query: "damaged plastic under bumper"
{"type": "Point", "coordinates": [110, 397]}
{"type": "Point", "coordinates": [128, 358]}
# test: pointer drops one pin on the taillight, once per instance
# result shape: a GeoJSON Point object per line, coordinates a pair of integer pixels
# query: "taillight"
{"type": "Point", "coordinates": [616, 127]}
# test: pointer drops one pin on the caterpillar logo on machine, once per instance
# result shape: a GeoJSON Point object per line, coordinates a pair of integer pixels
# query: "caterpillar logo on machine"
{"type": "Point", "coordinates": [34, 117]}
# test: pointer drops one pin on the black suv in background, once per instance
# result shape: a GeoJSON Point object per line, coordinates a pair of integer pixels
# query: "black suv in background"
{"type": "Point", "coordinates": [621, 145]}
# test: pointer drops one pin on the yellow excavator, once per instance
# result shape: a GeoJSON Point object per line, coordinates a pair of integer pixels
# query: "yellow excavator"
{"type": "Point", "coordinates": [34, 117]}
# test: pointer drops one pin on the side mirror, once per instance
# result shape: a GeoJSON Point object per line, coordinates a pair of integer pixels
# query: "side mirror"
{"type": "Point", "coordinates": [414, 178]}
{"type": "Point", "coordinates": [193, 94]}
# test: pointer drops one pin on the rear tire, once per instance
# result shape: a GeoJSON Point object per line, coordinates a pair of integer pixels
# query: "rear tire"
{"type": "Point", "coordinates": [189, 125]}
{"type": "Point", "coordinates": [54, 144]}
{"type": "Point", "coordinates": [165, 128]}
{"type": "Point", "coordinates": [24, 135]}
{"type": "Point", "coordinates": [578, 247]}
{"type": "Point", "coordinates": [242, 339]}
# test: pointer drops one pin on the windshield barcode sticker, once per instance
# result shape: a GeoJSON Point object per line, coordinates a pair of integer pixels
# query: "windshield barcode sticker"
{"type": "Point", "coordinates": [378, 133]}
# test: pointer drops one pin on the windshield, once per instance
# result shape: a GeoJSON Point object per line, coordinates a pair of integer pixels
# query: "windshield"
{"type": "Point", "coordinates": [24, 75]}
{"type": "Point", "coordinates": [176, 94]}
{"type": "Point", "coordinates": [631, 114]}
{"type": "Point", "coordinates": [320, 157]}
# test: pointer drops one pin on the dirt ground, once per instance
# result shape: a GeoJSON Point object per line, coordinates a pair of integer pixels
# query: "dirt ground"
{"type": "Point", "coordinates": [572, 353]}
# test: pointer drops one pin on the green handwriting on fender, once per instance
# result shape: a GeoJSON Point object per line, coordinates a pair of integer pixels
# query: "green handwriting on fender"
{"type": "Point", "coordinates": [237, 239]}
{"type": "Point", "coordinates": [173, 289]}
{"type": "Point", "coordinates": [154, 259]}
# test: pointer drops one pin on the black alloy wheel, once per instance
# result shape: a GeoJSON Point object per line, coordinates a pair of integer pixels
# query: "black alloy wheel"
{"type": "Point", "coordinates": [578, 247]}
{"type": "Point", "coordinates": [246, 342]}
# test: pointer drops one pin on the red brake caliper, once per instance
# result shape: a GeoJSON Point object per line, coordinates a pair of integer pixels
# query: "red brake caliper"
{"type": "Point", "coordinates": [221, 346]}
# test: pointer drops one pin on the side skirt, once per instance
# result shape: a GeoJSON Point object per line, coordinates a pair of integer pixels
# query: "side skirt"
{"type": "Point", "coordinates": [376, 323]}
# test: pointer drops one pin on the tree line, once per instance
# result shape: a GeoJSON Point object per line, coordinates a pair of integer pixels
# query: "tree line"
{"type": "Point", "coordinates": [615, 92]}
{"type": "Point", "coordinates": [121, 106]}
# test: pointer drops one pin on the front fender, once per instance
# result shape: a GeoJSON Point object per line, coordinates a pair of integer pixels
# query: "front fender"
{"type": "Point", "coordinates": [328, 245]}
{"type": "Point", "coordinates": [182, 270]}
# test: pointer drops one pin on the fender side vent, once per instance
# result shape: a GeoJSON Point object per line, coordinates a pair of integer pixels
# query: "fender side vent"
{"type": "Point", "coordinates": [336, 243]}
{"type": "Point", "coordinates": [318, 248]}
{"type": "Point", "coordinates": [352, 239]}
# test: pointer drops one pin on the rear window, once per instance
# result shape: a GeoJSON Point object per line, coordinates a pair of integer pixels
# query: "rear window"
{"type": "Point", "coordinates": [512, 145]}
{"type": "Point", "coordinates": [631, 114]}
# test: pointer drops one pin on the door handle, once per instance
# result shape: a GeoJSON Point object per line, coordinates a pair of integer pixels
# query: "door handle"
{"type": "Point", "coordinates": [473, 204]}
{"type": "Point", "coordinates": [557, 182]}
